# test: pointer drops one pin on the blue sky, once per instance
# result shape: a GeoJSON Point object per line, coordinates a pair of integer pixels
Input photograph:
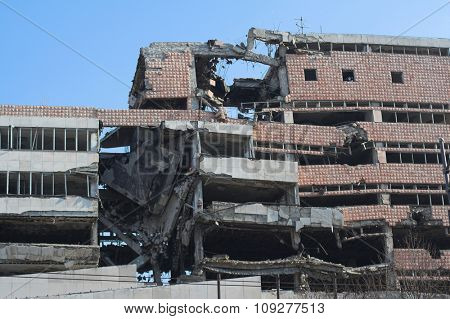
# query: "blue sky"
{"type": "Point", "coordinates": [35, 69]}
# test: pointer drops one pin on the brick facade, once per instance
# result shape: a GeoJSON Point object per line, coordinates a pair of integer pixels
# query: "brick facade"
{"type": "Point", "coordinates": [420, 259]}
{"type": "Point", "coordinates": [168, 77]}
{"type": "Point", "coordinates": [371, 174]}
{"type": "Point", "coordinates": [406, 132]}
{"type": "Point", "coordinates": [391, 214]}
{"type": "Point", "coordinates": [298, 134]}
{"type": "Point", "coordinates": [426, 78]}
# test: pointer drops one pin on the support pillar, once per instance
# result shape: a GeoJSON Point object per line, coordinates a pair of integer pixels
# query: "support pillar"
{"type": "Point", "coordinates": [199, 253]}
{"type": "Point", "coordinates": [391, 281]}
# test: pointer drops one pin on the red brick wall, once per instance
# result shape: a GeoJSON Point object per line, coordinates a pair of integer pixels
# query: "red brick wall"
{"type": "Point", "coordinates": [371, 174]}
{"type": "Point", "coordinates": [149, 117]}
{"type": "Point", "coordinates": [426, 78]}
{"type": "Point", "coordinates": [298, 134]}
{"type": "Point", "coordinates": [108, 117]}
{"type": "Point", "coordinates": [420, 259]}
{"type": "Point", "coordinates": [169, 77]}
{"type": "Point", "coordinates": [391, 214]}
{"type": "Point", "coordinates": [406, 132]}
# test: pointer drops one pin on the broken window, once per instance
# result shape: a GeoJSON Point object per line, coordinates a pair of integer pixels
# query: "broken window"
{"type": "Point", "coordinates": [13, 180]}
{"type": "Point", "coordinates": [36, 138]}
{"type": "Point", "coordinates": [48, 139]}
{"type": "Point", "coordinates": [60, 138]}
{"type": "Point", "coordinates": [397, 77]}
{"type": "Point", "coordinates": [71, 139]}
{"type": "Point", "coordinates": [47, 184]}
{"type": "Point", "coordinates": [310, 75]}
{"type": "Point", "coordinates": [82, 140]}
{"type": "Point", "coordinates": [348, 76]}
{"type": "Point", "coordinates": [4, 138]}
{"type": "Point", "coordinates": [93, 141]}
{"type": "Point", "coordinates": [59, 180]}
{"type": "Point", "coordinates": [77, 185]}
{"type": "Point", "coordinates": [93, 186]}
{"type": "Point", "coordinates": [24, 183]}
{"type": "Point", "coordinates": [3, 182]}
{"type": "Point", "coordinates": [36, 184]}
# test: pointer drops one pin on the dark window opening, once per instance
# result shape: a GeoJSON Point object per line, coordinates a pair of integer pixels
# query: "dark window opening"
{"type": "Point", "coordinates": [397, 77]}
{"type": "Point", "coordinates": [402, 199]}
{"type": "Point", "coordinates": [333, 201]}
{"type": "Point", "coordinates": [71, 139]}
{"type": "Point", "coordinates": [59, 139]}
{"type": "Point", "coordinates": [4, 138]}
{"type": "Point", "coordinates": [328, 119]}
{"type": "Point", "coordinates": [348, 76]}
{"type": "Point", "coordinates": [13, 181]}
{"type": "Point", "coordinates": [388, 117]}
{"type": "Point", "coordinates": [82, 140]}
{"type": "Point", "coordinates": [77, 185]}
{"type": "Point", "coordinates": [48, 139]}
{"type": "Point", "coordinates": [3, 183]}
{"type": "Point", "coordinates": [402, 117]}
{"type": "Point", "coordinates": [36, 184]}
{"type": "Point", "coordinates": [59, 184]}
{"type": "Point", "coordinates": [432, 158]}
{"type": "Point", "coordinates": [427, 118]}
{"type": "Point", "coordinates": [25, 139]}
{"type": "Point", "coordinates": [393, 157]}
{"type": "Point", "coordinates": [24, 184]}
{"type": "Point", "coordinates": [310, 75]}
{"type": "Point", "coordinates": [438, 118]}
{"type": "Point", "coordinates": [47, 184]}
{"type": "Point", "coordinates": [48, 232]}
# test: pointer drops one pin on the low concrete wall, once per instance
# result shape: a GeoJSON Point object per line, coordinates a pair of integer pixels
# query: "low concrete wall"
{"type": "Point", "coordinates": [45, 161]}
{"type": "Point", "coordinates": [29, 258]}
{"type": "Point", "coordinates": [38, 206]}
{"type": "Point", "coordinates": [76, 281]}
{"type": "Point", "coordinates": [242, 168]}
{"type": "Point", "coordinates": [46, 121]}
{"type": "Point", "coordinates": [277, 215]}
{"type": "Point", "coordinates": [239, 288]}
{"type": "Point", "coordinates": [213, 127]}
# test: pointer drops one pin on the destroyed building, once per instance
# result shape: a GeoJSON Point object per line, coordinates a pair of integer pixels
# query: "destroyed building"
{"type": "Point", "coordinates": [330, 172]}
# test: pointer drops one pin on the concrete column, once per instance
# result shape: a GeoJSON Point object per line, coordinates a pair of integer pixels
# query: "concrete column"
{"type": "Point", "coordinates": [378, 157]}
{"type": "Point", "coordinates": [282, 72]}
{"type": "Point", "coordinates": [94, 233]}
{"type": "Point", "coordinates": [297, 282]}
{"type": "Point", "coordinates": [374, 116]}
{"type": "Point", "coordinates": [199, 253]}
{"type": "Point", "coordinates": [248, 149]}
{"type": "Point", "coordinates": [196, 150]}
{"type": "Point", "coordinates": [197, 201]}
{"type": "Point", "coordinates": [384, 199]}
{"type": "Point", "coordinates": [288, 117]}
{"type": "Point", "coordinates": [391, 280]}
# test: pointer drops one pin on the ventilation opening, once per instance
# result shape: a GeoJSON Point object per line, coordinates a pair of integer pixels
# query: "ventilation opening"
{"type": "Point", "coordinates": [397, 77]}
{"type": "Point", "coordinates": [348, 76]}
{"type": "Point", "coordinates": [310, 75]}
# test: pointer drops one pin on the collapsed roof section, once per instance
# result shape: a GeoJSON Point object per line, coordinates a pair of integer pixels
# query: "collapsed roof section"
{"type": "Point", "coordinates": [182, 75]}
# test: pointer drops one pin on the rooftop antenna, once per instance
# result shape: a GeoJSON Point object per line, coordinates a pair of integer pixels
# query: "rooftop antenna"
{"type": "Point", "coordinates": [300, 25]}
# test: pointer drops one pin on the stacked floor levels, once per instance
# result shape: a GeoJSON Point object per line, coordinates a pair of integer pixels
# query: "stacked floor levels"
{"type": "Point", "coordinates": [330, 173]}
{"type": "Point", "coordinates": [48, 193]}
